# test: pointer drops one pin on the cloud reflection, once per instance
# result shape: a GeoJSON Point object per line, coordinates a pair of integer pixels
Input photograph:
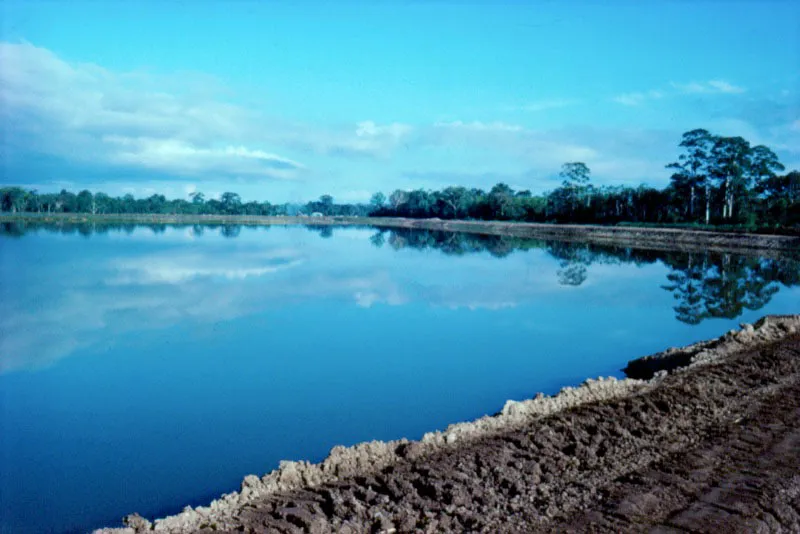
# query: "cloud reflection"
{"type": "Point", "coordinates": [88, 294]}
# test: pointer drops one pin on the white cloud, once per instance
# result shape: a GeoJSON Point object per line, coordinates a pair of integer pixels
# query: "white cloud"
{"type": "Point", "coordinates": [725, 87]}
{"type": "Point", "coordinates": [478, 126]}
{"type": "Point", "coordinates": [82, 111]}
{"type": "Point", "coordinates": [544, 105]}
{"type": "Point", "coordinates": [85, 113]}
{"type": "Point", "coordinates": [181, 158]}
{"type": "Point", "coordinates": [709, 87]}
{"type": "Point", "coordinates": [179, 268]}
{"type": "Point", "coordinates": [635, 99]}
{"type": "Point", "coordinates": [362, 139]}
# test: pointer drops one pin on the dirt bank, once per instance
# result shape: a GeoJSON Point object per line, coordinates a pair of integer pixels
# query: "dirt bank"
{"type": "Point", "coordinates": [640, 237]}
{"type": "Point", "coordinates": [713, 444]}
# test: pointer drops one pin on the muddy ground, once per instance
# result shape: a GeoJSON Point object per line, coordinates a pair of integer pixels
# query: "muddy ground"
{"type": "Point", "coordinates": [710, 448]}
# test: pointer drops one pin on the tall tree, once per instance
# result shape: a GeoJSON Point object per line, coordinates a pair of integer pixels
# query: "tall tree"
{"type": "Point", "coordinates": [378, 200]}
{"type": "Point", "coordinates": [398, 198]}
{"type": "Point", "coordinates": [230, 202]}
{"type": "Point", "coordinates": [575, 178]}
{"type": "Point", "coordinates": [326, 204]}
{"type": "Point", "coordinates": [84, 201]}
{"type": "Point", "coordinates": [729, 168]}
{"type": "Point", "coordinates": [692, 168]}
{"type": "Point", "coordinates": [455, 198]}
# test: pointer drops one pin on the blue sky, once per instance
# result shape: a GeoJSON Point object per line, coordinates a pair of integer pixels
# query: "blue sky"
{"type": "Point", "coordinates": [286, 102]}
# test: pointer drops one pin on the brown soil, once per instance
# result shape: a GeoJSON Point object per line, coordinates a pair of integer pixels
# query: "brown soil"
{"type": "Point", "coordinates": [712, 448]}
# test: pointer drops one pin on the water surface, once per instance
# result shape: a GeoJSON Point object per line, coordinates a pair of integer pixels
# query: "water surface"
{"type": "Point", "coordinates": [145, 368]}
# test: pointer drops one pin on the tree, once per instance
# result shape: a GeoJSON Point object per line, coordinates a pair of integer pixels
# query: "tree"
{"type": "Point", "coordinates": [84, 201]}
{"type": "Point", "coordinates": [456, 199]}
{"type": "Point", "coordinates": [377, 201]}
{"type": "Point", "coordinates": [576, 182]}
{"type": "Point", "coordinates": [13, 199]}
{"type": "Point", "coordinates": [419, 203]}
{"type": "Point", "coordinates": [155, 204]}
{"type": "Point", "coordinates": [67, 201]}
{"type": "Point", "coordinates": [230, 202]}
{"type": "Point", "coordinates": [128, 204]}
{"type": "Point", "coordinates": [398, 198]}
{"type": "Point", "coordinates": [729, 168]}
{"type": "Point", "coordinates": [692, 168]}
{"type": "Point", "coordinates": [764, 166]}
{"type": "Point", "coordinates": [500, 201]}
{"type": "Point", "coordinates": [326, 204]}
{"type": "Point", "coordinates": [34, 201]}
{"type": "Point", "coordinates": [102, 203]}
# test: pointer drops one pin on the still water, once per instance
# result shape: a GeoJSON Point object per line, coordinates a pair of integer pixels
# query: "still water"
{"type": "Point", "coordinates": [146, 368]}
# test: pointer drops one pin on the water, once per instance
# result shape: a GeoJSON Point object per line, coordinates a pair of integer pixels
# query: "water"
{"type": "Point", "coordinates": [145, 368]}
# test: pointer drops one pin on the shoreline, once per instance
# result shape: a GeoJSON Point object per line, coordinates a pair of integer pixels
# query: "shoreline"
{"type": "Point", "coordinates": [350, 469]}
{"type": "Point", "coordinates": [634, 236]}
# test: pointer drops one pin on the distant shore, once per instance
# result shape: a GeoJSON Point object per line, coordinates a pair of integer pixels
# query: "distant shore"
{"type": "Point", "coordinates": [707, 438]}
{"type": "Point", "coordinates": [635, 236]}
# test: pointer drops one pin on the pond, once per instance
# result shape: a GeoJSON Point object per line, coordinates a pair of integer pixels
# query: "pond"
{"type": "Point", "coordinates": [144, 368]}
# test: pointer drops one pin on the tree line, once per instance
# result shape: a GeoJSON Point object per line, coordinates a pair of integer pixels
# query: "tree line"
{"type": "Point", "coordinates": [715, 180]}
{"type": "Point", "coordinates": [17, 200]}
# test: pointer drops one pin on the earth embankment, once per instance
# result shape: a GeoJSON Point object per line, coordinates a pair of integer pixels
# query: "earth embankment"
{"type": "Point", "coordinates": [709, 442]}
{"type": "Point", "coordinates": [658, 238]}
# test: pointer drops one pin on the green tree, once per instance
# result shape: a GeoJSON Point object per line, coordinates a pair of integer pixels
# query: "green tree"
{"type": "Point", "coordinates": [398, 198]}
{"type": "Point", "coordinates": [85, 201]}
{"type": "Point", "coordinates": [456, 199]}
{"type": "Point", "coordinates": [103, 203]}
{"type": "Point", "coordinates": [501, 200]}
{"type": "Point", "coordinates": [13, 199]}
{"type": "Point", "coordinates": [326, 205]}
{"type": "Point", "coordinates": [692, 169]}
{"type": "Point", "coordinates": [729, 169]}
{"type": "Point", "coordinates": [575, 178]}
{"type": "Point", "coordinates": [67, 202]}
{"type": "Point", "coordinates": [34, 201]}
{"type": "Point", "coordinates": [231, 202]}
{"type": "Point", "coordinates": [377, 201]}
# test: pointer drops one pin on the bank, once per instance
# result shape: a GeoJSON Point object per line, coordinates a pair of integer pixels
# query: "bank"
{"type": "Point", "coordinates": [660, 238]}
{"type": "Point", "coordinates": [707, 438]}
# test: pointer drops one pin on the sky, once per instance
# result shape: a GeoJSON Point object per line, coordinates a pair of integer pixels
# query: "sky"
{"type": "Point", "coordinates": [285, 102]}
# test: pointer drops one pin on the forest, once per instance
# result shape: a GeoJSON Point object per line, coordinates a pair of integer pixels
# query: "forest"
{"type": "Point", "coordinates": [716, 180]}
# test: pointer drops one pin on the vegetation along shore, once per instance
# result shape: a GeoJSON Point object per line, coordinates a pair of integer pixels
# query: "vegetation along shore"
{"type": "Point", "coordinates": [718, 181]}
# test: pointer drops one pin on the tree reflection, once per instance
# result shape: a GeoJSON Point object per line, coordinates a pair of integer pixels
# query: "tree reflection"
{"type": "Point", "coordinates": [230, 230]}
{"type": "Point", "coordinates": [325, 231]}
{"type": "Point", "coordinates": [712, 285]}
{"type": "Point", "coordinates": [705, 284]}
{"type": "Point", "coordinates": [377, 239]}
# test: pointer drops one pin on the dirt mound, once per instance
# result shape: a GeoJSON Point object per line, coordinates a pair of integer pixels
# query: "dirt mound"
{"type": "Point", "coordinates": [709, 447]}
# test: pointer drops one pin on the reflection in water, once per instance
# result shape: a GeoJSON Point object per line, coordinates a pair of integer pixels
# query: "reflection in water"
{"type": "Point", "coordinates": [704, 284]}
{"type": "Point", "coordinates": [289, 344]}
